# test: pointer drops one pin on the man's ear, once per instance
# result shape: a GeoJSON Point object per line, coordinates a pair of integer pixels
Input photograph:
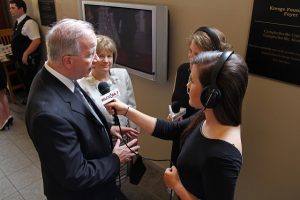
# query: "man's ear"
{"type": "Point", "coordinates": [67, 61]}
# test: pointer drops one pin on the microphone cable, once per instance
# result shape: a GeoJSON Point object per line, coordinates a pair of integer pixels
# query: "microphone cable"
{"type": "Point", "coordinates": [138, 164]}
{"type": "Point", "coordinates": [117, 123]}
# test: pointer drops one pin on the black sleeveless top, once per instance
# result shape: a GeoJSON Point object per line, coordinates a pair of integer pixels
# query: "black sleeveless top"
{"type": "Point", "coordinates": [208, 168]}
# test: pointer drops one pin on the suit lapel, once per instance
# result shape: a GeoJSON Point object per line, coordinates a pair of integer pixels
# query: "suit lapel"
{"type": "Point", "coordinates": [99, 113]}
{"type": "Point", "coordinates": [69, 97]}
{"type": "Point", "coordinates": [92, 103]}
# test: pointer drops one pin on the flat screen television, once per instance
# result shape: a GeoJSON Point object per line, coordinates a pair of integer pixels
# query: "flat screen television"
{"type": "Point", "coordinates": [140, 32]}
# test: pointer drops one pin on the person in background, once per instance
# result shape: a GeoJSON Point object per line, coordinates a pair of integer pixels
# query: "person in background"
{"type": "Point", "coordinates": [116, 78]}
{"type": "Point", "coordinates": [203, 39]}
{"type": "Point", "coordinates": [71, 135]}
{"type": "Point", "coordinates": [210, 159]}
{"type": "Point", "coordinates": [25, 43]}
{"type": "Point", "coordinates": [6, 119]}
{"type": "Point", "coordinates": [105, 71]}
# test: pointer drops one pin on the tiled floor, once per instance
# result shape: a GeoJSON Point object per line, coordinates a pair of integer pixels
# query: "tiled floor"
{"type": "Point", "coordinates": [20, 175]}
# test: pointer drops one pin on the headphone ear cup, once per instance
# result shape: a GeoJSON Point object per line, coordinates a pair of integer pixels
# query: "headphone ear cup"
{"type": "Point", "coordinates": [210, 97]}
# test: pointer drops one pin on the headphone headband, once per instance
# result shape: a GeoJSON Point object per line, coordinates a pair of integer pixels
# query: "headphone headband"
{"type": "Point", "coordinates": [212, 35]}
{"type": "Point", "coordinates": [219, 65]}
{"type": "Point", "coordinates": [211, 94]}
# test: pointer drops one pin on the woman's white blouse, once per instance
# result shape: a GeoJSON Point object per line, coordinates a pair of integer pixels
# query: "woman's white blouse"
{"type": "Point", "coordinates": [120, 79]}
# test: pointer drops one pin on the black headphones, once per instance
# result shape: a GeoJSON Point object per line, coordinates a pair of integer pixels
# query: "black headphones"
{"type": "Point", "coordinates": [212, 35]}
{"type": "Point", "coordinates": [211, 94]}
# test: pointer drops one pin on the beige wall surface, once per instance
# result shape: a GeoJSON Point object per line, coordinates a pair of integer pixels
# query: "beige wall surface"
{"type": "Point", "coordinates": [271, 128]}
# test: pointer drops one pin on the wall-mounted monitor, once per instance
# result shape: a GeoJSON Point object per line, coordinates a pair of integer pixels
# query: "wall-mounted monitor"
{"type": "Point", "coordinates": [140, 32]}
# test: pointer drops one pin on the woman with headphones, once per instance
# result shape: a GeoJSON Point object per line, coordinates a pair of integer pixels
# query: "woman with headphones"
{"type": "Point", "coordinates": [210, 159]}
{"type": "Point", "coordinates": [204, 38]}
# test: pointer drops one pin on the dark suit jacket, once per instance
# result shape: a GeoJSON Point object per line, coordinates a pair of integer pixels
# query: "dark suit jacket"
{"type": "Point", "coordinates": [73, 146]}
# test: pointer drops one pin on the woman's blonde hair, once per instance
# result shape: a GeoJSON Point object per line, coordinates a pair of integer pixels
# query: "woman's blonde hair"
{"type": "Point", "coordinates": [204, 41]}
{"type": "Point", "coordinates": [106, 43]}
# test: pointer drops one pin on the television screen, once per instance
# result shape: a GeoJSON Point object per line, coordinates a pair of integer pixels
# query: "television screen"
{"type": "Point", "coordinates": [131, 30]}
{"type": "Point", "coordinates": [142, 47]}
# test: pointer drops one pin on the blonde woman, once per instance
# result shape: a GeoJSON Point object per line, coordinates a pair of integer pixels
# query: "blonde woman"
{"type": "Point", "coordinates": [104, 70]}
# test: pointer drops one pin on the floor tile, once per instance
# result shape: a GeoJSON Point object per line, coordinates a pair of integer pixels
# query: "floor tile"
{"type": "Point", "coordinates": [14, 163]}
{"type": "Point", "coordinates": [1, 174]}
{"type": "Point", "coordinates": [33, 191]}
{"type": "Point", "coordinates": [25, 176]}
{"type": "Point", "coordinates": [32, 154]}
{"type": "Point", "coordinates": [3, 138]}
{"type": "Point", "coordinates": [18, 133]}
{"type": "Point", "coordinates": [14, 196]}
{"type": "Point", "coordinates": [6, 188]}
{"type": "Point", "coordinates": [8, 150]}
{"type": "Point", "coordinates": [24, 144]}
{"type": "Point", "coordinates": [37, 164]}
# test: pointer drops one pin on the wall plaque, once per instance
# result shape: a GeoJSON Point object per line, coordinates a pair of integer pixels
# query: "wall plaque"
{"type": "Point", "coordinates": [274, 41]}
{"type": "Point", "coordinates": [47, 12]}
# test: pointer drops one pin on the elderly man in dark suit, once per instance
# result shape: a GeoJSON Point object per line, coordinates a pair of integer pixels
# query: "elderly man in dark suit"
{"type": "Point", "coordinates": [70, 134]}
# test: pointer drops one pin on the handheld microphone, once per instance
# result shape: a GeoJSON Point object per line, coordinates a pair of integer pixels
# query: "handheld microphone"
{"type": "Point", "coordinates": [175, 111]}
{"type": "Point", "coordinates": [138, 168]}
{"type": "Point", "coordinates": [108, 96]}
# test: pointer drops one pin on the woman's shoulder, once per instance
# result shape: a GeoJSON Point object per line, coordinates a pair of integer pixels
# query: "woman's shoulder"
{"type": "Point", "coordinates": [88, 83]}
{"type": "Point", "coordinates": [223, 151]}
{"type": "Point", "coordinates": [119, 74]}
{"type": "Point", "coordinates": [117, 71]}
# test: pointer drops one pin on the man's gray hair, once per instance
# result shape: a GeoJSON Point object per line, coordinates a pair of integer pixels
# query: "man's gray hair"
{"type": "Point", "coordinates": [64, 38]}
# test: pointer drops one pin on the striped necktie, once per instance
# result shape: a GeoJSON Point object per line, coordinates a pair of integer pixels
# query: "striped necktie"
{"type": "Point", "coordinates": [82, 98]}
